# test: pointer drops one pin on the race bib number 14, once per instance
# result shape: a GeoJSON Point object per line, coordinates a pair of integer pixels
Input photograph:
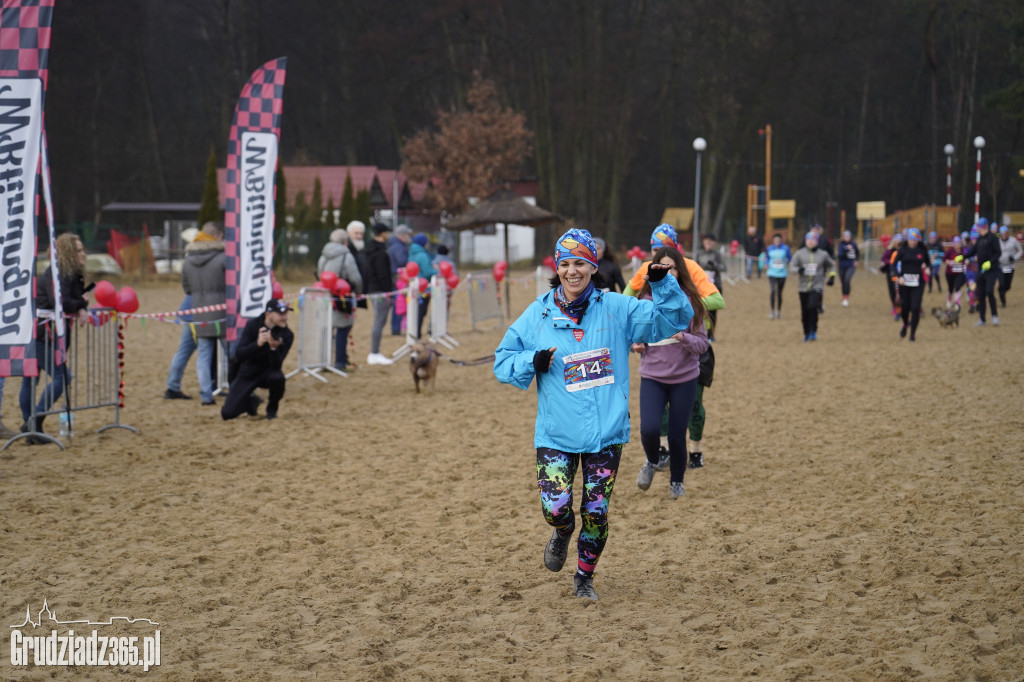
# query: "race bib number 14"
{"type": "Point", "coordinates": [588, 369]}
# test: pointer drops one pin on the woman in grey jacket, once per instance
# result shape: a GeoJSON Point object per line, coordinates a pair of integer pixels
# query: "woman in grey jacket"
{"type": "Point", "coordinates": [337, 258]}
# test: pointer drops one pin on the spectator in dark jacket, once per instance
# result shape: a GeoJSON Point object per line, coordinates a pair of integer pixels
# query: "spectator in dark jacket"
{"type": "Point", "coordinates": [378, 285]}
{"type": "Point", "coordinates": [203, 277]}
{"type": "Point", "coordinates": [398, 254]}
{"type": "Point", "coordinates": [261, 351]}
{"type": "Point", "coordinates": [987, 250]}
{"type": "Point", "coordinates": [71, 264]}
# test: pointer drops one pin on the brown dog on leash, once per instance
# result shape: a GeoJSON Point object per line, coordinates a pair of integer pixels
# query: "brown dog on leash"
{"type": "Point", "coordinates": [947, 317]}
{"type": "Point", "coordinates": [423, 363]}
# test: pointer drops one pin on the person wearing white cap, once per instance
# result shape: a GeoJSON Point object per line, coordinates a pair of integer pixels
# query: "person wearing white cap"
{"type": "Point", "coordinates": [1011, 253]}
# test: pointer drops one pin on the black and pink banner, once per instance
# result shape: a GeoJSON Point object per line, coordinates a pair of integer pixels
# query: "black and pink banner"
{"type": "Point", "coordinates": [24, 55]}
{"type": "Point", "coordinates": [249, 194]}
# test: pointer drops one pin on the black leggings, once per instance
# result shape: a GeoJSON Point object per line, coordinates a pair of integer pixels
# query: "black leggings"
{"type": "Point", "coordinates": [910, 306]}
{"type": "Point", "coordinates": [810, 301]}
{"type": "Point", "coordinates": [654, 395]}
{"type": "Point", "coordinates": [845, 275]}
{"type": "Point", "coordinates": [955, 281]}
{"type": "Point", "coordinates": [777, 285]}
{"type": "Point", "coordinates": [1005, 282]}
{"type": "Point", "coordinates": [986, 289]}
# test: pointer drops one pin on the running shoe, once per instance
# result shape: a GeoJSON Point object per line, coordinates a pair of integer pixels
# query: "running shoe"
{"type": "Point", "coordinates": [903, 331]}
{"type": "Point", "coordinates": [584, 587]}
{"type": "Point", "coordinates": [814, 336]}
{"type": "Point", "coordinates": [676, 490]}
{"type": "Point", "coordinates": [979, 323]}
{"type": "Point", "coordinates": [646, 475]}
{"type": "Point", "coordinates": [662, 459]}
{"type": "Point", "coordinates": [556, 549]}
{"type": "Point", "coordinates": [995, 321]}
{"type": "Point", "coordinates": [696, 460]}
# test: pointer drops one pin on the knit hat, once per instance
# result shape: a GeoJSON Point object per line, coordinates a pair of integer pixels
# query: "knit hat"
{"type": "Point", "coordinates": [957, 240]}
{"type": "Point", "coordinates": [663, 235]}
{"type": "Point", "coordinates": [897, 237]}
{"type": "Point", "coordinates": [811, 235]}
{"type": "Point", "coordinates": [576, 243]}
{"type": "Point", "coordinates": [1003, 229]}
{"type": "Point", "coordinates": [420, 239]}
{"type": "Point", "coordinates": [914, 234]}
{"type": "Point", "coordinates": [932, 235]}
{"type": "Point", "coordinates": [982, 222]}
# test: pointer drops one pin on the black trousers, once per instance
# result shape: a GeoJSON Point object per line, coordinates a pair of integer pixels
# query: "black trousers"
{"type": "Point", "coordinates": [910, 306]}
{"type": "Point", "coordinates": [810, 301]}
{"type": "Point", "coordinates": [240, 398]}
{"type": "Point", "coordinates": [1005, 282]}
{"type": "Point", "coordinates": [986, 290]}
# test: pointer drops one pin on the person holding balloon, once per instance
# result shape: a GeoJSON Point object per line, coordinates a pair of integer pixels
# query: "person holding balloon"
{"type": "Point", "coordinates": [424, 269]}
{"type": "Point", "coordinates": [203, 277]}
{"type": "Point", "coordinates": [339, 273]}
{"type": "Point", "coordinates": [575, 341]}
{"type": "Point", "coordinates": [71, 266]}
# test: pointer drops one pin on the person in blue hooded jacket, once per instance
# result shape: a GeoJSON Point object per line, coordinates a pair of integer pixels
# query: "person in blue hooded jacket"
{"type": "Point", "coordinates": [575, 340]}
{"type": "Point", "coordinates": [418, 254]}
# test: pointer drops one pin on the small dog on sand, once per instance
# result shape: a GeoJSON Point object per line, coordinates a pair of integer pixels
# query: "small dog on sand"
{"type": "Point", "coordinates": [947, 317]}
{"type": "Point", "coordinates": [423, 364]}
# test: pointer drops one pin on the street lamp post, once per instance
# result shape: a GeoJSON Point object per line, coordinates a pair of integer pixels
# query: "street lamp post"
{"type": "Point", "coordinates": [949, 174]}
{"type": "Point", "coordinates": [699, 145]}
{"type": "Point", "coordinates": [979, 143]}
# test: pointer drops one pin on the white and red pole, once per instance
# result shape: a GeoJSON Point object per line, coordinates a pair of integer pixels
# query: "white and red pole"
{"type": "Point", "coordinates": [949, 174]}
{"type": "Point", "coordinates": [979, 143]}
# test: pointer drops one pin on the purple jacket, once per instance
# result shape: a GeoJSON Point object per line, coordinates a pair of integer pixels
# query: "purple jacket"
{"type": "Point", "coordinates": [675, 360]}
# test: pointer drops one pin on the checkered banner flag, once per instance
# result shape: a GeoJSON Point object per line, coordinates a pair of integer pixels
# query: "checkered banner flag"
{"type": "Point", "coordinates": [249, 194]}
{"type": "Point", "coordinates": [24, 54]}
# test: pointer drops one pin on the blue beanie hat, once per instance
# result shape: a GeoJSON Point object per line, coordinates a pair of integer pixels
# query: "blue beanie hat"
{"type": "Point", "coordinates": [664, 235]}
{"type": "Point", "coordinates": [974, 233]}
{"type": "Point", "coordinates": [1003, 229]}
{"type": "Point", "coordinates": [420, 239]}
{"type": "Point", "coordinates": [982, 222]}
{"type": "Point", "coordinates": [965, 234]}
{"type": "Point", "coordinates": [932, 234]}
{"type": "Point", "coordinates": [957, 240]}
{"type": "Point", "coordinates": [576, 243]}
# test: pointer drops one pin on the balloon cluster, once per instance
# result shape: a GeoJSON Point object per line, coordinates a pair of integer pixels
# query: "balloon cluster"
{"type": "Point", "coordinates": [123, 301]}
{"type": "Point", "coordinates": [446, 270]}
{"type": "Point", "coordinates": [500, 268]}
{"type": "Point", "coordinates": [637, 252]}
{"type": "Point", "coordinates": [549, 261]}
{"type": "Point", "coordinates": [329, 281]}
{"type": "Point", "coordinates": [734, 247]}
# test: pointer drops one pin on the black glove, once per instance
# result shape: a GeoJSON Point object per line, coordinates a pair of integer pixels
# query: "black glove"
{"type": "Point", "coordinates": [656, 274]}
{"type": "Point", "coordinates": [800, 270]}
{"type": "Point", "coordinates": [542, 361]}
{"type": "Point", "coordinates": [831, 280]}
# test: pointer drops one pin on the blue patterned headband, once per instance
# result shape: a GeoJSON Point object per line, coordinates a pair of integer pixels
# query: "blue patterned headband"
{"type": "Point", "coordinates": [576, 243]}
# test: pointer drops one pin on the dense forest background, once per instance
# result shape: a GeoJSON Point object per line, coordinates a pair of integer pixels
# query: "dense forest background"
{"type": "Point", "coordinates": [861, 96]}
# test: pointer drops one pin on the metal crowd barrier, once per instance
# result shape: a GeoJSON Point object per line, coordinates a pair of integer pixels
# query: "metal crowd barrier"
{"type": "Point", "coordinates": [483, 297]}
{"type": "Point", "coordinates": [439, 313]}
{"type": "Point", "coordinates": [315, 334]}
{"type": "Point", "coordinates": [412, 316]}
{"type": "Point", "coordinates": [91, 372]}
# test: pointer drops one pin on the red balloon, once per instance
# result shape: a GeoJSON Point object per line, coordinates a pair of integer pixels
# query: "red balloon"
{"type": "Point", "coordinates": [499, 273]}
{"type": "Point", "coordinates": [276, 290]}
{"type": "Point", "coordinates": [642, 255]}
{"type": "Point", "coordinates": [320, 285]}
{"type": "Point", "coordinates": [550, 262]}
{"type": "Point", "coordinates": [445, 268]}
{"type": "Point", "coordinates": [412, 268]}
{"type": "Point", "coordinates": [127, 301]}
{"type": "Point", "coordinates": [423, 284]}
{"type": "Point", "coordinates": [106, 294]}
{"type": "Point", "coordinates": [342, 287]}
{"type": "Point", "coordinates": [503, 265]}
{"type": "Point", "coordinates": [734, 247]}
{"type": "Point", "coordinates": [328, 279]}
{"type": "Point", "coordinates": [452, 280]}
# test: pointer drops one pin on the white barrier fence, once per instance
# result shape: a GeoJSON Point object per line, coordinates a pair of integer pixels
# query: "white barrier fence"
{"type": "Point", "coordinates": [315, 338]}
{"type": "Point", "coordinates": [91, 373]}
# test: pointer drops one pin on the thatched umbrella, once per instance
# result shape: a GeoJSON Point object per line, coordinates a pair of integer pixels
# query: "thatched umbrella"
{"type": "Point", "coordinates": [505, 207]}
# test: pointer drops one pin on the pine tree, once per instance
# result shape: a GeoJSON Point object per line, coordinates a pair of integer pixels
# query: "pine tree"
{"type": "Point", "coordinates": [209, 208]}
{"type": "Point", "coordinates": [363, 210]}
{"type": "Point", "coordinates": [300, 213]}
{"type": "Point", "coordinates": [315, 219]}
{"type": "Point", "coordinates": [348, 203]}
{"type": "Point", "coordinates": [330, 220]}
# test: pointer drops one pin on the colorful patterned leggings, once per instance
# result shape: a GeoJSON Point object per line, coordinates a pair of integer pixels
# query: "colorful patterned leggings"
{"type": "Point", "coordinates": [555, 473]}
